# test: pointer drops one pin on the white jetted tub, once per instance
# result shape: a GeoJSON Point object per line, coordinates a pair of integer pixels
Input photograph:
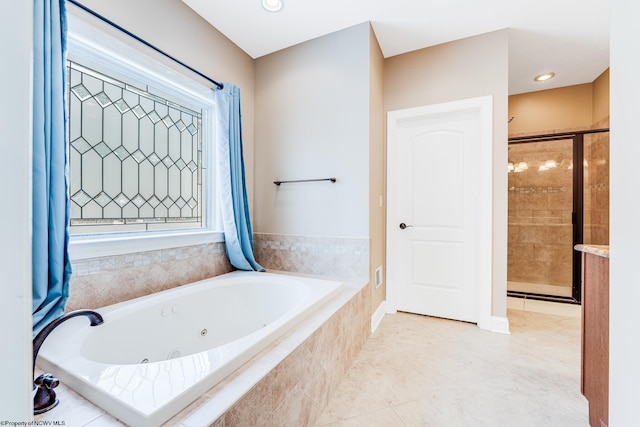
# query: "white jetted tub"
{"type": "Point", "coordinates": [155, 355]}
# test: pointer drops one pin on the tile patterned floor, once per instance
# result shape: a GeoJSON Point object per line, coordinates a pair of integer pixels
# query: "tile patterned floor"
{"type": "Point", "coordinates": [421, 371]}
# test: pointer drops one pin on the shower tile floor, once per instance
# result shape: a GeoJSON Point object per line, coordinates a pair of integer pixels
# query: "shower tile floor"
{"type": "Point", "coordinates": [422, 371]}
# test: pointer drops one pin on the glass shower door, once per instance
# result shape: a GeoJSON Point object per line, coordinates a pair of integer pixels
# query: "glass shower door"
{"type": "Point", "coordinates": [540, 228]}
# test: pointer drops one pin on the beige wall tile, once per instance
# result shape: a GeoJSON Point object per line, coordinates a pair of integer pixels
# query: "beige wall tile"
{"type": "Point", "coordinates": [561, 201]}
{"type": "Point", "coordinates": [326, 256]}
{"type": "Point", "coordinates": [103, 281]}
{"type": "Point", "coordinates": [296, 392]}
{"type": "Point", "coordinates": [254, 409]}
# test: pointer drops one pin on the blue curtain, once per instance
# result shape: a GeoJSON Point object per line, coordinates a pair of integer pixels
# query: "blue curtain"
{"type": "Point", "coordinates": [231, 180]}
{"type": "Point", "coordinates": [51, 264]}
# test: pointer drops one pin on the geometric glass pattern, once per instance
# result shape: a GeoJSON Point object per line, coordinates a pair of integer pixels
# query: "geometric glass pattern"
{"type": "Point", "coordinates": [135, 158]}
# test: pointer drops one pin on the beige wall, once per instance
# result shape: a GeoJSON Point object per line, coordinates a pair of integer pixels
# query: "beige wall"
{"type": "Point", "coordinates": [321, 115]}
{"type": "Point", "coordinates": [551, 111]}
{"type": "Point", "coordinates": [377, 169]}
{"type": "Point", "coordinates": [313, 122]}
{"type": "Point", "coordinates": [472, 67]}
{"type": "Point", "coordinates": [567, 108]}
{"type": "Point", "coordinates": [600, 93]}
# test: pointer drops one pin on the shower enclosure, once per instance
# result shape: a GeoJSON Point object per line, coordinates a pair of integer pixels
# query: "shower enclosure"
{"type": "Point", "coordinates": [558, 197]}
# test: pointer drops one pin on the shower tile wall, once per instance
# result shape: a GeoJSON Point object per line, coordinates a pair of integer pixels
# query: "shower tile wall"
{"type": "Point", "coordinates": [596, 189]}
{"type": "Point", "coordinates": [540, 206]}
{"type": "Point", "coordinates": [98, 282]}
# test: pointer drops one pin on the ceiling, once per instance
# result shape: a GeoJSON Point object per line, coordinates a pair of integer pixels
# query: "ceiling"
{"type": "Point", "coordinates": [569, 37]}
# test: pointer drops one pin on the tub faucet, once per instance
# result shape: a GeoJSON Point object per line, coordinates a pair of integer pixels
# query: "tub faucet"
{"type": "Point", "coordinates": [45, 398]}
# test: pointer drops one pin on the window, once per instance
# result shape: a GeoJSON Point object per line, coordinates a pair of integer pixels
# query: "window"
{"type": "Point", "coordinates": [140, 146]}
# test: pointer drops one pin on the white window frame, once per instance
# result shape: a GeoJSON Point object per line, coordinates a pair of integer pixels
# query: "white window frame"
{"type": "Point", "coordinates": [87, 42]}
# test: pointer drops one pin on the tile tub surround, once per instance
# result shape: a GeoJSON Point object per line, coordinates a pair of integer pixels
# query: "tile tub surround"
{"type": "Point", "coordinates": [98, 282]}
{"type": "Point", "coordinates": [289, 383]}
{"type": "Point", "coordinates": [323, 256]}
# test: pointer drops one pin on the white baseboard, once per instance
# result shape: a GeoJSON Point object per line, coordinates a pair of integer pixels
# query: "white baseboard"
{"type": "Point", "coordinates": [500, 325]}
{"type": "Point", "coordinates": [377, 316]}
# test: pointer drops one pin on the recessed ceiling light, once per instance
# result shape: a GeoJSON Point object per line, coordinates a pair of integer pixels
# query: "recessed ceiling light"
{"type": "Point", "coordinates": [544, 77]}
{"type": "Point", "coordinates": [273, 5]}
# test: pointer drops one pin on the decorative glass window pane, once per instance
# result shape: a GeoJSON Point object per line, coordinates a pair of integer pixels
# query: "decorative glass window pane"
{"type": "Point", "coordinates": [135, 158]}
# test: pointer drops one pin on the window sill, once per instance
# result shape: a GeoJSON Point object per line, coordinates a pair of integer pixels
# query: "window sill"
{"type": "Point", "coordinates": [85, 247]}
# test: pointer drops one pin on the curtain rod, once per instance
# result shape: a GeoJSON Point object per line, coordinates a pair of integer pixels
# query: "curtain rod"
{"type": "Point", "coordinates": [141, 40]}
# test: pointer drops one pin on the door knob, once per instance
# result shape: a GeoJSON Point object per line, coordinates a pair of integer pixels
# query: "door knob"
{"type": "Point", "coordinates": [403, 226]}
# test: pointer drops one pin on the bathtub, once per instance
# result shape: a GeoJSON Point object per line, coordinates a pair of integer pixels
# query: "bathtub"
{"type": "Point", "coordinates": [155, 355]}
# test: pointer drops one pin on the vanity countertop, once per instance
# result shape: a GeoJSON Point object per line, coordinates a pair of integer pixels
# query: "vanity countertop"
{"type": "Point", "coordinates": [600, 250]}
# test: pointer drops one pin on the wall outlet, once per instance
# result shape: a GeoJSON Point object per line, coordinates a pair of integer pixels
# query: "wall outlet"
{"type": "Point", "coordinates": [378, 276]}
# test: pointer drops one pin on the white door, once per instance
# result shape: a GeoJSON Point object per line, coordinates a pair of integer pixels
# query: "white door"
{"type": "Point", "coordinates": [439, 210]}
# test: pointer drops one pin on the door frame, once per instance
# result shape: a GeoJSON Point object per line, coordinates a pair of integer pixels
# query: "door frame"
{"type": "Point", "coordinates": [484, 224]}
